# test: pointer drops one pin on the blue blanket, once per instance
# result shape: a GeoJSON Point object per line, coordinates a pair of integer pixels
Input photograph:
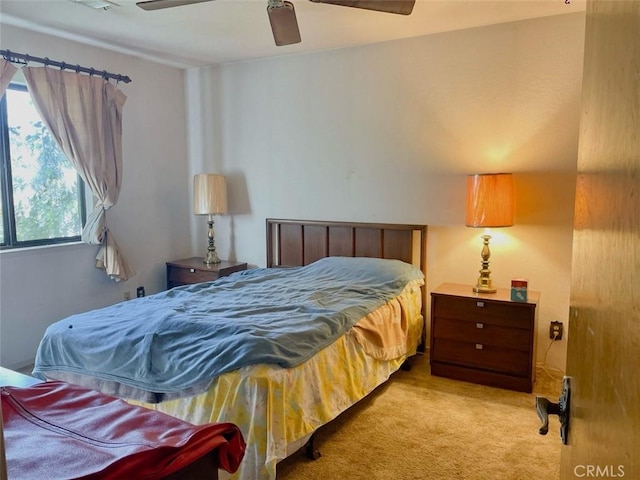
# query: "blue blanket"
{"type": "Point", "coordinates": [184, 337]}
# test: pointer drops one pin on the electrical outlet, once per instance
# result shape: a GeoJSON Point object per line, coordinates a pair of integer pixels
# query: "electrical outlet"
{"type": "Point", "coordinates": [127, 295]}
{"type": "Point", "coordinates": [555, 330]}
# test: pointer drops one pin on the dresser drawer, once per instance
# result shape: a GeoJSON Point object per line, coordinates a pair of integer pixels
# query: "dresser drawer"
{"type": "Point", "coordinates": [480, 310]}
{"type": "Point", "coordinates": [186, 276]}
{"type": "Point", "coordinates": [482, 333]}
{"type": "Point", "coordinates": [482, 356]}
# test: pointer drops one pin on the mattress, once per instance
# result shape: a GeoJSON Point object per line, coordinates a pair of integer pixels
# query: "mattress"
{"type": "Point", "coordinates": [277, 409]}
{"type": "Point", "coordinates": [174, 343]}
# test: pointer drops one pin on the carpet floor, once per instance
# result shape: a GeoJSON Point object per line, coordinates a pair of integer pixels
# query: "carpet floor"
{"type": "Point", "coordinates": [421, 427]}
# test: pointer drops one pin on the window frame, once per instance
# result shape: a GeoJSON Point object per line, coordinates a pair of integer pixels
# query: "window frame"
{"type": "Point", "coordinates": [10, 240]}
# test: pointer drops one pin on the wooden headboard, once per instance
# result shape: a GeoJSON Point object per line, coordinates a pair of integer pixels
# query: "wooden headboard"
{"type": "Point", "coordinates": [300, 242]}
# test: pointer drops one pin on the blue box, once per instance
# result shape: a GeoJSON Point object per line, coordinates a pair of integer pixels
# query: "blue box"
{"type": "Point", "coordinates": [519, 290]}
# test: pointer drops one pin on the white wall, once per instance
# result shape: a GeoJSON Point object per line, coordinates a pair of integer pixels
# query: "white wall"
{"type": "Point", "coordinates": [389, 132]}
{"type": "Point", "coordinates": [150, 220]}
{"type": "Point", "coordinates": [379, 133]}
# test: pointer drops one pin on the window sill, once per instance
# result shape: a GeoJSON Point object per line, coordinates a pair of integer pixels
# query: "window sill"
{"type": "Point", "coordinates": [20, 251]}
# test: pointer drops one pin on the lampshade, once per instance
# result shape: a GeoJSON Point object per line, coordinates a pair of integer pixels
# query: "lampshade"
{"type": "Point", "coordinates": [209, 194]}
{"type": "Point", "coordinates": [490, 200]}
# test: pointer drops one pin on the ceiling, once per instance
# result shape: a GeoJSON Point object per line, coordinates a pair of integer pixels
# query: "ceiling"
{"type": "Point", "coordinates": [225, 31]}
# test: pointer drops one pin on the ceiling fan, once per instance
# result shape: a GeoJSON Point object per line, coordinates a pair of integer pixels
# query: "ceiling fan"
{"type": "Point", "coordinates": [282, 15]}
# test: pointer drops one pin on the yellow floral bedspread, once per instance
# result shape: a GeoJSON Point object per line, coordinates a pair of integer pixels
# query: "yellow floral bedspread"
{"type": "Point", "coordinates": [277, 407]}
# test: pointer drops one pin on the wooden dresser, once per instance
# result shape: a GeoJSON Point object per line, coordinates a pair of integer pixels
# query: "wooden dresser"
{"type": "Point", "coordinates": [194, 270]}
{"type": "Point", "coordinates": [483, 338]}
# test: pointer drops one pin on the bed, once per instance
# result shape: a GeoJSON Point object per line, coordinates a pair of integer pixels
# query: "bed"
{"type": "Point", "coordinates": [297, 384]}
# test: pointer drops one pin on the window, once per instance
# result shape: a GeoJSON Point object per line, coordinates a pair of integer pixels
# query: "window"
{"type": "Point", "coordinates": [43, 198]}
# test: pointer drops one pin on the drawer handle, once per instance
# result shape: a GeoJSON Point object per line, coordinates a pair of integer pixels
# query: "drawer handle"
{"type": "Point", "coordinates": [192, 270]}
{"type": "Point", "coordinates": [479, 346]}
{"type": "Point", "coordinates": [480, 304]}
{"type": "Point", "coordinates": [479, 325]}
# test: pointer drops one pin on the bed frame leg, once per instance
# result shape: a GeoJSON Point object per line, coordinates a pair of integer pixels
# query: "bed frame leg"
{"type": "Point", "coordinates": [311, 451]}
{"type": "Point", "coordinates": [407, 364]}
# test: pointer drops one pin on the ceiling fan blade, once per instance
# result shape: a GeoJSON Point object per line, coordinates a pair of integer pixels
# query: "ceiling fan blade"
{"type": "Point", "coordinates": [158, 4]}
{"type": "Point", "coordinates": [284, 24]}
{"type": "Point", "coordinates": [402, 7]}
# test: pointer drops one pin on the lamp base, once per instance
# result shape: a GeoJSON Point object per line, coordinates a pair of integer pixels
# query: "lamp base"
{"type": "Point", "coordinates": [479, 288]}
{"type": "Point", "coordinates": [211, 258]}
{"type": "Point", "coordinates": [212, 255]}
{"type": "Point", "coordinates": [484, 284]}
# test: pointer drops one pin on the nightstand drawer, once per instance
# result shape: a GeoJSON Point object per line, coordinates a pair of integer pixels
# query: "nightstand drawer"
{"type": "Point", "coordinates": [482, 356]}
{"type": "Point", "coordinates": [484, 333]}
{"type": "Point", "coordinates": [193, 270]}
{"type": "Point", "coordinates": [481, 310]}
{"type": "Point", "coordinates": [185, 276]}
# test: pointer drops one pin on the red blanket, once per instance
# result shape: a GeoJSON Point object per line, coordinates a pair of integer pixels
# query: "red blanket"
{"type": "Point", "coordinates": [56, 430]}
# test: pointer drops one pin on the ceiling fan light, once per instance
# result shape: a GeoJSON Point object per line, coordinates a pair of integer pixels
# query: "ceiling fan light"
{"type": "Point", "coordinates": [284, 24]}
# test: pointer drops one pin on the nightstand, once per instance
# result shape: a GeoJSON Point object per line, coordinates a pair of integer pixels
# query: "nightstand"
{"type": "Point", "coordinates": [194, 270]}
{"type": "Point", "coordinates": [483, 338]}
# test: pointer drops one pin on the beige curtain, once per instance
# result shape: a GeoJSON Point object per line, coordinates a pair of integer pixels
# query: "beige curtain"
{"type": "Point", "coordinates": [84, 114]}
{"type": "Point", "coordinates": [7, 71]}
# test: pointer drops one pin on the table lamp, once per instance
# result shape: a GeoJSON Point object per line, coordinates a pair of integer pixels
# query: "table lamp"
{"type": "Point", "coordinates": [490, 204]}
{"type": "Point", "coordinates": [210, 198]}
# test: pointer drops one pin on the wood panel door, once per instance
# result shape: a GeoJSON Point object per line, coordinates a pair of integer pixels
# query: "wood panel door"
{"type": "Point", "coordinates": [604, 327]}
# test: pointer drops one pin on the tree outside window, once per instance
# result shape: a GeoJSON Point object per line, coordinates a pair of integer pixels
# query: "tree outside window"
{"type": "Point", "coordinates": [42, 194]}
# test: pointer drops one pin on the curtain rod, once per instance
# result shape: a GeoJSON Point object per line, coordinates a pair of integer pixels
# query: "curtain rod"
{"type": "Point", "coordinates": [25, 58]}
